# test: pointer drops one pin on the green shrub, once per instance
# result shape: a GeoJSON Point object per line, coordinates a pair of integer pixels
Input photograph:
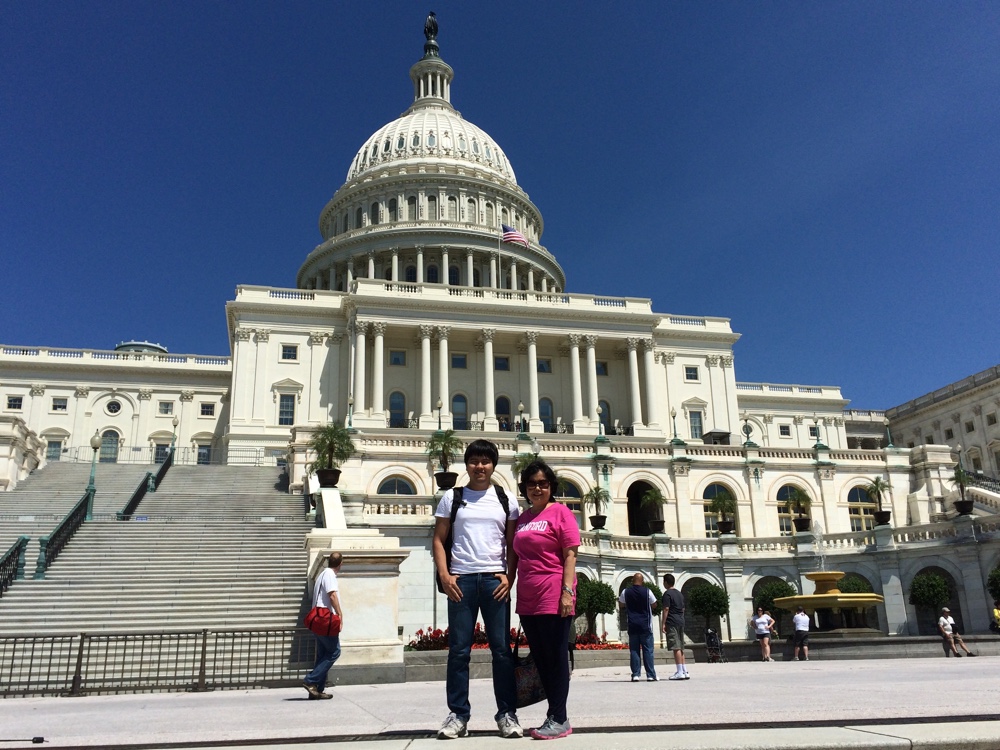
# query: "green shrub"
{"type": "Point", "coordinates": [709, 601]}
{"type": "Point", "coordinates": [993, 584]}
{"type": "Point", "coordinates": [658, 607]}
{"type": "Point", "coordinates": [594, 598]}
{"type": "Point", "coordinates": [770, 591]}
{"type": "Point", "coordinates": [929, 590]}
{"type": "Point", "coordinates": [854, 584]}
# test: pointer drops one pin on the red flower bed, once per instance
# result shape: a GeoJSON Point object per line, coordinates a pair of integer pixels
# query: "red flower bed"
{"type": "Point", "coordinates": [591, 642]}
{"type": "Point", "coordinates": [435, 639]}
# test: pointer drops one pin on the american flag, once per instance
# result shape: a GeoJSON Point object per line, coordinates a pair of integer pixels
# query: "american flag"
{"type": "Point", "coordinates": [512, 235]}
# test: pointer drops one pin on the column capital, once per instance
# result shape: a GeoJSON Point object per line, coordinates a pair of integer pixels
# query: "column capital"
{"type": "Point", "coordinates": [648, 345]}
{"type": "Point", "coordinates": [712, 360]}
{"type": "Point", "coordinates": [316, 338]}
{"type": "Point", "coordinates": [489, 333]}
{"type": "Point", "coordinates": [336, 338]}
{"type": "Point", "coordinates": [82, 391]}
{"type": "Point", "coordinates": [187, 395]}
{"type": "Point", "coordinates": [590, 340]}
{"type": "Point", "coordinates": [395, 251]}
{"type": "Point", "coordinates": [360, 327]}
{"type": "Point", "coordinates": [726, 361]}
{"type": "Point", "coordinates": [420, 249]}
{"type": "Point", "coordinates": [37, 389]}
{"type": "Point", "coordinates": [632, 343]}
{"type": "Point", "coordinates": [574, 339]}
{"type": "Point", "coordinates": [442, 332]}
{"type": "Point", "coordinates": [378, 329]}
{"type": "Point", "coordinates": [768, 418]}
{"type": "Point", "coordinates": [426, 331]}
{"type": "Point", "coordinates": [242, 334]}
{"type": "Point", "coordinates": [263, 335]}
{"type": "Point", "coordinates": [531, 337]}
{"type": "Point", "coordinates": [145, 394]}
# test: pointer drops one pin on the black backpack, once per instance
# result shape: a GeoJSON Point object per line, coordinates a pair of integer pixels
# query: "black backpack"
{"type": "Point", "coordinates": [456, 503]}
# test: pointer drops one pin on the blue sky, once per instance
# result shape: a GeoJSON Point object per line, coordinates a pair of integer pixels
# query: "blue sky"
{"type": "Point", "coordinates": [826, 174]}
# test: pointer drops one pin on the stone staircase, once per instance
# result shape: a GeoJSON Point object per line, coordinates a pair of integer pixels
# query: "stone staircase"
{"type": "Point", "coordinates": [214, 547]}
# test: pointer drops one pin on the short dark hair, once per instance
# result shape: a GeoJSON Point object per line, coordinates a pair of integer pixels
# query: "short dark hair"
{"type": "Point", "coordinates": [533, 468]}
{"type": "Point", "coordinates": [335, 560]}
{"type": "Point", "coordinates": [669, 580]}
{"type": "Point", "coordinates": [482, 449]}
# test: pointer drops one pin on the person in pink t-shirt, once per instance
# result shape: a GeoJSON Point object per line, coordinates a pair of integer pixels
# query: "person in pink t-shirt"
{"type": "Point", "coordinates": [543, 562]}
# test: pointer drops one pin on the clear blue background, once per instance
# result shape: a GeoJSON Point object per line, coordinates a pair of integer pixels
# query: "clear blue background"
{"type": "Point", "coordinates": [823, 173]}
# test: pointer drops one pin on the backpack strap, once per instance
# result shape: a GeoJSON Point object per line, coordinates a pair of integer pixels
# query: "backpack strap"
{"type": "Point", "coordinates": [504, 501]}
{"type": "Point", "coordinates": [456, 502]}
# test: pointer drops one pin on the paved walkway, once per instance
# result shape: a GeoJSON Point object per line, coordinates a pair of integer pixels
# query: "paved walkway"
{"type": "Point", "coordinates": [871, 704]}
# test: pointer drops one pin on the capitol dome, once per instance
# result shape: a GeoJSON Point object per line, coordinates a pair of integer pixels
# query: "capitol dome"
{"type": "Point", "coordinates": [426, 200]}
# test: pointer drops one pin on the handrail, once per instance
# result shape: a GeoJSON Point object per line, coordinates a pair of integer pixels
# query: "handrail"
{"type": "Point", "coordinates": [50, 545]}
{"type": "Point", "coordinates": [147, 483]}
{"type": "Point", "coordinates": [164, 468]}
{"type": "Point", "coordinates": [12, 563]}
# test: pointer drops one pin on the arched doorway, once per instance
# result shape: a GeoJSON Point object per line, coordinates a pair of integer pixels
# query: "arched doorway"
{"type": "Point", "coordinates": [927, 617]}
{"type": "Point", "coordinates": [695, 625]}
{"type": "Point", "coordinates": [638, 516]}
{"type": "Point", "coordinates": [109, 447]}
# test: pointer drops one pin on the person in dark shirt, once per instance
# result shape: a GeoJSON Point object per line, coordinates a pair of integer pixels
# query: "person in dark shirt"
{"type": "Point", "coordinates": [673, 625]}
{"type": "Point", "coordinates": [638, 601]}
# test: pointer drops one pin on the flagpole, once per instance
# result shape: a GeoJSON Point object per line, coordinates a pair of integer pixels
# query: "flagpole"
{"type": "Point", "coordinates": [499, 241]}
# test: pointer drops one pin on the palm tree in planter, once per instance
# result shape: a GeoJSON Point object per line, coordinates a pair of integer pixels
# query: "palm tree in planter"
{"type": "Point", "coordinates": [724, 504]}
{"type": "Point", "coordinates": [961, 480]}
{"type": "Point", "coordinates": [653, 499]}
{"type": "Point", "coordinates": [877, 489]}
{"type": "Point", "coordinates": [445, 446]}
{"type": "Point", "coordinates": [598, 497]}
{"type": "Point", "coordinates": [333, 445]}
{"type": "Point", "coordinates": [800, 500]}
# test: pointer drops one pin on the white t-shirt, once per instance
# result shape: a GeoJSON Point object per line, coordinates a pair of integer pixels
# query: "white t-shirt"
{"type": "Point", "coordinates": [945, 624]}
{"type": "Point", "coordinates": [325, 583]}
{"type": "Point", "coordinates": [801, 620]}
{"type": "Point", "coordinates": [762, 624]}
{"type": "Point", "coordinates": [480, 533]}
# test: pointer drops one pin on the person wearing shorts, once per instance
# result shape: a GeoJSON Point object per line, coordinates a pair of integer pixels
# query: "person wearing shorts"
{"type": "Point", "coordinates": [762, 624]}
{"type": "Point", "coordinates": [801, 639]}
{"type": "Point", "coordinates": [673, 626]}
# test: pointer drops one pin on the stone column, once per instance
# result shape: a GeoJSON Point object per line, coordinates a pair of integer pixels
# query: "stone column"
{"type": "Point", "coordinates": [488, 385]}
{"type": "Point", "coordinates": [425, 373]}
{"type": "Point", "coordinates": [371, 264]}
{"type": "Point", "coordinates": [649, 364]}
{"type": "Point", "coordinates": [574, 372]}
{"type": "Point", "coordinates": [592, 397]}
{"type": "Point", "coordinates": [262, 335]}
{"type": "Point", "coordinates": [531, 278]}
{"type": "Point", "coordinates": [395, 264]}
{"type": "Point", "coordinates": [513, 274]}
{"type": "Point", "coordinates": [470, 271]}
{"type": "Point", "coordinates": [633, 381]}
{"type": "Point", "coordinates": [333, 278]}
{"type": "Point", "coordinates": [545, 284]}
{"type": "Point", "coordinates": [536, 423]}
{"type": "Point", "coordinates": [359, 366]}
{"type": "Point", "coordinates": [350, 274]}
{"type": "Point", "coordinates": [317, 341]}
{"type": "Point", "coordinates": [444, 366]}
{"type": "Point", "coordinates": [493, 270]}
{"type": "Point", "coordinates": [446, 277]}
{"type": "Point", "coordinates": [378, 367]}
{"type": "Point", "coordinates": [318, 281]}
{"type": "Point", "coordinates": [420, 264]}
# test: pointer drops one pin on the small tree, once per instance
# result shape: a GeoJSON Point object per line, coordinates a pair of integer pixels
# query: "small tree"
{"type": "Point", "coordinates": [652, 498]}
{"type": "Point", "coordinates": [723, 503]}
{"type": "Point", "coordinates": [993, 583]}
{"type": "Point", "coordinates": [598, 497]}
{"type": "Point", "coordinates": [929, 590]}
{"type": "Point", "coordinates": [960, 480]}
{"type": "Point", "coordinates": [708, 601]}
{"type": "Point", "coordinates": [877, 489]}
{"type": "Point", "coordinates": [592, 599]}
{"type": "Point", "coordinates": [333, 445]}
{"type": "Point", "coordinates": [770, 591]}
{"type": "Point", "coordinates": [445, 446]}
{"type": "Point", "coordinates": [521, 462]}
{"type": "Point", "coordinates": [798, 499]}
{"type": "Point", "coordinates": [658, 606]}
{"type": "Point", "coordinates": [854, 584]}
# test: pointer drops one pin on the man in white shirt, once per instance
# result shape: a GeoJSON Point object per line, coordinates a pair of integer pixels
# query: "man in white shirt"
{"type": "Point", "coordinates": [801, 640]}
{"type": "Point", "coordinates": [946, 626]}
{"type": "Point", "coordinates": [325, 594]}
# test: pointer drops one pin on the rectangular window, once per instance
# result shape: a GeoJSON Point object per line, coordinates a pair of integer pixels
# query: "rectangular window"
{"type": "Point", "coordinates": [784, 520]}
{"type": "Point", "coordinates": [289, 352]}
{"type": "Point", "coordinates": [696, 428]}
{"type": "Point", "coordinates": [59, 404]}
{"type": "Point", "coordinates": [970, 427]}
{"type": "Point", "coordinates": [166, 407]}
{"type": "Point", "coordinates": [910, 445]}
{"type": "Point", "coordinates": [14, 402]}
{"type": "Point", "coordinates": [949, 434]}
{"type": "Point", "coordinates": [785, 430]}
{"type": "Point", "coordinates": [711, 523]}
{"type": "Point", "coordinates": [691, 373]}
{"type": "Point", "coordinates": [397, 358]}
{"type": "Point", "coordinates": [545, 365]}
{"type": "Point", "coordinates": [459, 361]}
{"type": "Point", "coordinates": [991, 418]}
{"type": "Point", "coordinates": [160, 452]}
{"type": "Point", "coordinates": [862, 517]}
{"type": "Point", "coordinates": [601, 367]}
{"type": "Point", "coordinates": [814, 432]}
{"type": "Point", "coordinates": [204, 455]}
{"type": "Point", "coordinates": [286, 409]}
{"type": "Point", "coordinates": [54, 450]}
{"type": "Point", "coordinates": [928, 440]}
{"type": "Point", "coordinates": [501, 363]}
{"type": "Point", "coordinates": [207, 410]}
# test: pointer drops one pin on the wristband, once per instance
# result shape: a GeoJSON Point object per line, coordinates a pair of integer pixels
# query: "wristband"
{"type": "Point", "coordinates": [568, 590]}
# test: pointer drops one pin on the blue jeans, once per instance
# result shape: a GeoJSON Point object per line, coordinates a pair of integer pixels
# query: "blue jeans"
{"type": "Point", "coordinates": [477, 597]}
{"type": "Point", "coordinates": [644, 643]}
{"type": "Point", "coordinates": [327, 652]}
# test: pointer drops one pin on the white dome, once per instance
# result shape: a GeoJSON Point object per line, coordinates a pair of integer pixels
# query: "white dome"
{"type": "Point", "coordinates": [432, 130]}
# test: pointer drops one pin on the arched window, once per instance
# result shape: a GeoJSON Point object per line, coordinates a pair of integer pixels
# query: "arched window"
{"type": "Point", "coordinates": [359, 218]}
{"type": "Point", "coordinates": [432, 275]}
{"type": "Point", "coordinates": [460, 412]}
{"type": "Point", "coordinates": [396, 486]}
{"type": "Point", "coordinates": [788, 506]}
{"type": "Point", "coordinates": [471, 212]}
{"type": "Point", "coordinates": [712, 519]}
{"type": "Point", "coordinates": [503, 413]}
{"type": "Point", "coordinates": [504, 218]}
{"type": "Point", "coordinates": [415, 140]}
{"type": "Point", "coordinates": [545, 414]}
{"type": "Point", "coordinates": [393, 209]}
{"type": "Point", "coordinates": [411, 274]}
{"type": "Point", "coordinates": [491, 217]}
{"type": "Point", "coordinates": [432, 208]}
{"type": "Point", "coordinates": [454, 275]}
{"type": "Point", "coordinates": [461, 142]}
{"type": "Point", "coordinates": [431, 140]}
{"type": "Point", "coordinates": [373, 213]}
{"type": "Point", "coordinates": [109, 447]}
{"type": "Point", "coordinates": [400, 143]}
{"type": "Point", "coordinates": [452, 208]}
{"type": "Point", "coordinates": [386, 145]}
{"type": "Point", "coordinates": [861, 509]}
{"type": "Point", "coordinates": [397, 409]}
{"type": "Point", "coordinates": [568, 494]}
{"type": "Point", "coordinates": [605, 415]}
{"type": "Point", "coordinates": [411, 208]}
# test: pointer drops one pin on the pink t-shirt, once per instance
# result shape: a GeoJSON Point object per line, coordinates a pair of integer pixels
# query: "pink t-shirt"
{"type": "Point", "coordinates": [539, 542]}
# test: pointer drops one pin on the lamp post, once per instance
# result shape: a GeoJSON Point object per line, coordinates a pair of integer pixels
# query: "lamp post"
{"type": "Point", "coordinates": [888, 434]}
{"type": "Point", "coordinates": [673, 419]}
{"type": "Point", "coordinates": [439, 406]}
{"type": "Point", "coordinates": [173, 436]}
{"type": "Point", "coordinates": [747, 431]}
{"type": "Point", "coordinates": [819, 442]}
{"type": "Point", "coordinates": [95, 444]}
{"type": "Point", "coordinates": [520, 419]}
{"type": "Point", "coordinates": [600, 423]}
{"type": "Point", "coordinates": [350, 412]}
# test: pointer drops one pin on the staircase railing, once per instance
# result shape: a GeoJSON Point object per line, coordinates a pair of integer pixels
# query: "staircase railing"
{"type": "Point", "coordinates": [12, 563]}
{"type": "Point", "coordinates": [148, 483]}
{"type": "Point", "coordinates": [162, 471]}
{"type": "Point", "coordinates": [50, 545]}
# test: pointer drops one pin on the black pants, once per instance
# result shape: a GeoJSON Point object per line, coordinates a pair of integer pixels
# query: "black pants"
{"type": "Point", "coordinates": [547, 636]}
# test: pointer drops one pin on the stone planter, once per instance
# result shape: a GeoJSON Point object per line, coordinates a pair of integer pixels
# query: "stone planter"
{"type": "Point", "coordinates": [656, 525]}
{"type": "Point", "coordinates": [727, 527]}
{"type": "Point", "coordinates": [882, 517]}
{"type": "Point", "coordinates": [445, 479]}
{"type": "Point", "coordinates": [597, 522]}
{"type": "Point", "coordinates": [328, 477]}
{"type": "Point", "coordinates": [801, 524]}
{"type": "Point", "coordinates": [964, 507]}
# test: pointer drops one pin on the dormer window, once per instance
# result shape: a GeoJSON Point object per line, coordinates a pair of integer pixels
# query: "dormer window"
{"type": "Point", "coordinates": [461, 143]}
{"type": "Point", "coordinates": [431, 140]}
{"type": "Point", "coordinates": [475, 146]}
{"type": "Point", "coordinates": [374, 151]}
{"type": "Point", "coordinates": [386, 146]}
{"type": "Point", "coordinates": [400, 143]}
{"type": "Point", "coordinates": [446, 140]}
{"type": "Point", "coordinates": [415, 141]}
{"type": "Point", "coordinates": [489, 153]}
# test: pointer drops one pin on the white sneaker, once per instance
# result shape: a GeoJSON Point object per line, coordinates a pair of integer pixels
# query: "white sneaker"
{"type": "Point", "coordinates": [635, 678]}
{"type": "Point", "coordinates": [509, 728]}
{"type": "Point", "coordinates": [687, 676]}
{"type": "Point", "coordinates": [676, 676]}
{"type": "Point", "coordinates": [453, 728]}
{"type": "Point", "coordinates": [654, 678]}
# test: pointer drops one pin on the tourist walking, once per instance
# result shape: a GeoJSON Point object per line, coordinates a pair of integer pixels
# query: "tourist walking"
{"type": "Point", "coordinates": [763, 623]}
{"type": "Point", "coordinates": [479, 521]}
{"type": "Point", "coordinates": [949, 631]}
{"type": "Point", "coordinates": [638, 602]}
{"type": "Point", "coordinates": [801, 639]}
{"type": "Point", "coordinates": [326, 595]}
{"type": "Point", "coordinates": [543, 562]}
{"type": "Point", "coordinates": [995, 619]}
{"type": "Point", "coordinates": [673, 626]}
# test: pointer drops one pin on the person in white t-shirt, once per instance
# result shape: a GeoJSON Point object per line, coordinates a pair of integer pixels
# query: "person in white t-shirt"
{"type": "Point", "coordinates": [762, 624]}
{"type": "Point", "coordinates": [325, 594]}
{"type": "Point", "coordinates": [946, 626]}
{"type": "Point", "coordinates": [476, 584]}
{"type": "Point", "coordinates": [801, 640]}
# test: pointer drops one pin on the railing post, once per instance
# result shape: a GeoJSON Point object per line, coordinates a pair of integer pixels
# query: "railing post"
{"type": "Point", "coordinates": [77, 686]}
{"type": "Point", "coordinates": [42, 563]}
{"type": "Point", "coordinates": [19, 572]}
{"type": "Point", "coordinates": [200, 687]}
